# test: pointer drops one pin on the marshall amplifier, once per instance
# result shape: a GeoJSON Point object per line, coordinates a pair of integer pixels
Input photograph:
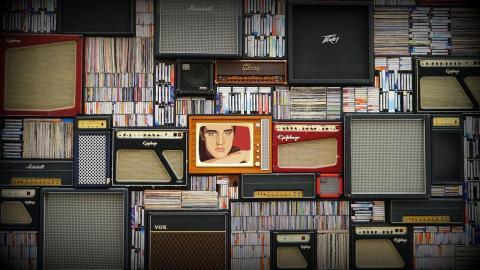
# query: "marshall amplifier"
{"type": "Point", "coordinates": [278, 186]}
{"type": "Point", "coordinates": [19, 208]}
{"type": "Point", "coordinates": [194, 77]}
{"type": "Point", "coordinates": [187, 240]}
{"type": "Point", "coordinates": [293, 250]}
{"type": "Point", "coordinates": [445, 211]}
{"type": "Point", "coordinates": [29, 173]}
{"type": "Point", "coordinates": [92, 151]}
{"type": "Point", "coordinates": [329, 185]}
{"type": "Point", "coordinates": [251, 72]}
{"type": "Point", "coordinates": [150, 157]}
{"type": "Point", "coordinates": [381, 247]}
{"type": "Point", "coordinates": [444, 84]}
{"type": "Point", "coordinates": [307, 147]}
{"type": "Point", "coordinates": [198, 28]}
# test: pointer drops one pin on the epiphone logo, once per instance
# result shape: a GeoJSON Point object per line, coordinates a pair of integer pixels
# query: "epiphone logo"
{"type": "Point", "coordinates": [400, 240]}
{"type": "Point", "coordinates": [304, 247]}
{"type": "Point", "coordinates": [452, 71]}
{"type": "Point", "coordinates": [248, 67]}
{"type": "Point", "coordinates": [199, 8]}
{"type": "Point", "coordinates": [287, 138]}
{"type": "Point", "coordinates": [35, 167]}
{"type": "Point", "coordinates": [160, 227]}
{"type": "Point", "coordinates": [333, 39]}
{"type": "Point", "coordinates": [149, 143]}
{"type": "Point", "coordinates": [13, 40]}
{"type": "Point", "coordinates": [29, 203]}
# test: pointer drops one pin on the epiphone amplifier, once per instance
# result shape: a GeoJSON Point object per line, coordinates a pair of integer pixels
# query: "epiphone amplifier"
{"type": "Point", "coordinates": [278, 186]}
{"type": "Point", "coordinates": [198, 28]}
{"type": "Point", "coordinates": [92, 151]}
{"type": "Point", "coordinates": [251, 72]}
{"type": "Point", "coordinates": [194, 77]}
{"type": "Point", "coordinates": [330, 42]}
{"type": "Point", "coordinates": [387, 156]}
{"type": "Point", "coordinates": [41, 74]}
{"type": "Point", "coordinates": [329, 185]}
{"type": "Point", "coordinates": [307, 147]}
{"type": "Point", "coordinates": [29, 173]}
{"type": "Point", "coordinates": [447, 149]}
{"type": "Point", "coordinates": [150, 157]}
{"type": "Point", "coordinates": [445, 84]}
{"type": "Point", "coordinates": [19, 208]}
{"type": "Point", "coordinates": [446, 211]}
{"type": "Point", "coordinates": [187, 240]}
{"type": "Point", "coordinates": [293, 250]}
{"type": "Point", "coordinates": [381, 247]}
{"type": "Point", "coordinates": [84, 228]}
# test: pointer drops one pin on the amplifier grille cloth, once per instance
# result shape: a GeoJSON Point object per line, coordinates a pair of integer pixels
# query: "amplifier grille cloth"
{"type": "Point", "coordinates": [14, 213]}
{"type": "Point", "coordinates": [377, 253]}
{"type": "Point", "coordinates": [473, 83]}
{"type": "Point", "coordinates": [84, 230]}
{"type": "Point", "coordinates": [309, 154]}
{"type": "Point", "coordinates": [187, 250]}
{"type": "Point", "coordinates": [290, 258]}
{"type": "Point", "coordinates": [92, 158]}
{"type": "Point", "coordinates": [387, 156]}
{"type": "Point", "coordinates": [175, 161]}
{"type": "Point", "coordinates": [41, 78]}
{"type": "Point", "coordinates": [444, 93]}
{"type": "Point", "coordinates": [198, 27]}
{"type": "Point", "coordinates": [329, 185]}
{"type": "Point", "coordinates": [140, 165]}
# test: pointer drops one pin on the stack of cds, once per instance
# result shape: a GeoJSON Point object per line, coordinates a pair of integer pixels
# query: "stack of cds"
{"type": "Point", "coordinates": [12, 138]}
{"type": "Point", "coordinates": [440, 31]}
{"type": "Point", "coordinates": [465, 28]}
{"type": "Point", "coordinates": [162, 199]}
{"type": "Point", "coordinates": [185, 106]}
{"type": "Point", "coordinates": [368, 211]}
{"type": "Point", "coordinates": [311, 103]}
{"type": "Point", "coordinates": [281, 103]}
{"type": "Point", "coordinates": [391, 31]}
{"type": "Point", "coordinates": [420, 31]}
{"type": "Point", "coordinates": [199, 199]}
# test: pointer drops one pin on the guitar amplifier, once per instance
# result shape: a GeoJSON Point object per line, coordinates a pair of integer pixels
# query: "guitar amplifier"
{"type": "Point", "coordinates": [28, 173]}
{"type": "Point", "coordinates": [329, 185]}
{"type": "Point", "coordinates": [92, 151]}
{"type": "Point", "coordinates": [278, 186]}
{"type": "Point", "coordinates": [194, 77]}
{"type": "Point", "coordinates": [19, 208]}
{"type": "Point", "coordinates": [433, 211]}
{"type": "Point", "coordinates": [293, 250]}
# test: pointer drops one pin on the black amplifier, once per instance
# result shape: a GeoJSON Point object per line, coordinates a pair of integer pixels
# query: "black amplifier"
{"type": "Point", "coordinates": [27, 173]}
{"type": "Point", "coordinates": [278, 186]}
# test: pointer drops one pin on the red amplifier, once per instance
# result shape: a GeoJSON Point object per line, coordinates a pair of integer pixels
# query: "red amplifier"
{"type": "Point", "coordinates": [307, 147]}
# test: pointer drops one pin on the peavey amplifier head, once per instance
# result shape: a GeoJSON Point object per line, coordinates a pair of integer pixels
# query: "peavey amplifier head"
{"type": "Point", "coordinates": [187, 240]}
{"type": "Point", "coordinates": [278, 186]}
{"type": "Point", "coordinates": [387, 156]}
{"type": "Point", "coordinates": [194, 77]}
{"type": "Point", "coordinates": [208, 28]}
{"type": "Point", "coordinates": [307, 147]}
{"type": "Point", "coordinates": [19, 208]}
{"type": "Point", "coordinates": [92, 151]}
{"type": "Point", "coordinates": [293, 250]}
{"type": "Point", "coordinates": [84, 228]}
{"type": "Point", "coordinates": [329, 185]}
{"type": "Point", "coordinates": [251, 72]}
{"type": "Point", "coordinates": [28, 173]}
{"type": "Point", "coordinates": [445, 84]}
{"type": "Point", "coordinates": [381, 247]}
{"type": "Point", "coordinates": [433, 211]}
{"type": "Point", "coordinates": [150, 157]}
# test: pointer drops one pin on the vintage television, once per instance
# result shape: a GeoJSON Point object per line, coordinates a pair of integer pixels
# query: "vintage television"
{"type": "Point", "coordinates": [19, 208]}
{"type": "Point", "coordinates": [245, 72]}
{"type": "Point", "coordinates": [36, 172]}
{"type": "Point", "coordinates": [433, 211]}
{"type": "Point", "coordinates": [187, 240]}
{"type": "Point", "coordinates": [194, 77]}
{"type": "Point", "coordinates": [293, 250]}
{"type": "Point", "coordinates": [381, 247]}
{"type": "Point", "coordinates": [149, 157]}
{"type": "Point", "coordinates": [198, 28]}
{"type": "Point", "coordinates": [41, 74]}
{"type": "Point", "coordinates": [278, 186]}
{"type": "Point", "coordinates": [330, 42]}
{"type": "Point", "coordinates": [92, 150]}
{"type": "Point", "coordinates": [229, 144]}
{"type": "Point", "coordinates": [387, 156]}
{"type": "Point", "coordinates": [96, 17]}
{"type": "Point", "coordinates": [83, 228]}
{"type": "Point", "coordinates": [307, 147]}
{"type": "Point", "coordinates": [447, 84]}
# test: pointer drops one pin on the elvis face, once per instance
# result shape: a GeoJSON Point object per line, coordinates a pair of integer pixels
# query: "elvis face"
{"type": "Point", "coordinates": [218, 139]}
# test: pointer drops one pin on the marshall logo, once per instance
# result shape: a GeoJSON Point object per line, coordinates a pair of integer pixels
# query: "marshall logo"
{"type": "Point", "coordinates": [199, 9]}
{"type": "Point", "coordinates": [35, 167]}
{"type": "Point", "coordinates": [452, 71]}
{"type": "Point", "coordinates": [149, 143]}
{"type": "Point", "coordinates": [304, 247]}
{"type": "Point", "coordinates": [160, 227]}
{"type": "Point", "coordinates": [29, 203]}
{"type": "Point", "coordinates": [248, 67]}
{"type": "Point", "coordinates": [400, 240]}
{"type": "Point", "coordinates": [287, 138]}
{"type": "Point", "coordinates": [333, 39]}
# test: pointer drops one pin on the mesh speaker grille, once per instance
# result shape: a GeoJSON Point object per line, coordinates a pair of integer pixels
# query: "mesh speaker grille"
{"type": "Point", "coordinates": [92, 158]}
{"type": "Point", "coordinates": [198, 27]}
{"type": "Point", "coordinates": [83, 230]}
{"type": "Point", "coordinates": [309, 154]}
{"type": "Point", "coordinates": [387, 156]}
{"type": "Point", "coordinates": [187, 250]}
{"type": "Point", "coordinates": [329, 185]}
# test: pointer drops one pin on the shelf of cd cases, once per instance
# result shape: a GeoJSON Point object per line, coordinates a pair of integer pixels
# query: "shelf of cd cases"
{"type": "Point", "coordinates": [30, 16]}
{"type": "Point", "coordinates": [243, 100]}
{"type": "Point", "coordinates": [391, 30]}
{"type": "Point", "coordinates": [19, 249]}
{"type": "Point", "coordinates": [137, 230]}
{"type": "Point", "coordinates": [472, 177]}
{"type": "Point", "coordinates": [185, 106]}
{"type": "Point", "coordinates": [367, 211]}
{"type": "Point", "coordinates": [165, 94]}
{"type": "Point", "coordinates": [144, 19]}
{"type": "Point", "coordinates": [225, 185]}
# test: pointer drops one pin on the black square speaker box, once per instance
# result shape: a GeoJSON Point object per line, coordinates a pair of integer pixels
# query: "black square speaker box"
{"type": "Point", "coordinates": [194, 77]}
{"type": "Point", "coordinates": [330, 42]}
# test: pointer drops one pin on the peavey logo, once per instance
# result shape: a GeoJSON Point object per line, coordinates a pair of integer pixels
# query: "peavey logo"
{"type": "Point", "coordinates": [194, 8]}
{"type": "Point", "coordinates": [287, 138]}
{"type": "Point", "coordinates": [248, 67]}
{"type": "Point", "coordinates": [160, 227]}
{"type": "Point", "coordinates": [304, 247]}
{"type": "Point", "coordinates": [400, 240]}
{"type": "Point", "coordinates": [35, 167]}
{"type": "Point", "coordinates": [333, 39]}
{"type": "Point", "coordinates": [29, 203]}
{"type": "Point", "coordinates": [149, 143]}
{"type": "Point", "coordinates": [452, 71]}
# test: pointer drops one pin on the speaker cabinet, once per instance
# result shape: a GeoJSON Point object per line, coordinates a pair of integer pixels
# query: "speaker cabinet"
{"type": "Point", "coordinates": [330, 42]}
{"type": "Point", "coordinates": [194, 77]}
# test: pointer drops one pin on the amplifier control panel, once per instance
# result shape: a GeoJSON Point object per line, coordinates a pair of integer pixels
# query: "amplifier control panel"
{"type": "Point", "coordinates": [398, 230]}
{"type": "Point", "coordinates": [307, 127]}
{"type": "Point", "coordinates": [149, 134]}
{"type": "Point", "coordinates": [450, 63]}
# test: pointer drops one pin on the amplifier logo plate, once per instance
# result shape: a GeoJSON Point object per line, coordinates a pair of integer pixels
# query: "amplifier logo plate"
{"type": "Point", "coordinates": [333, 39]}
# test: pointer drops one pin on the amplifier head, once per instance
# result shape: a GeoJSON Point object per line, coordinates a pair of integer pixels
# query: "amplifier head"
{"type": "Point", "coordinates": [278, 186]}
{"type": "Point", "coordinates": [150, 157]}
{"type": "Point", "coordinates": [19, 208]}
{"type": "Point", "coordinates": [208, 28]}
{"type": "Point", "coordinates": [433, 211]}
{"type": "Point", "coordinates": [194, 77]}
{"type": "Point", "coordinates": [293, 250]}
{"type": "Point", "coordinates": [307, 147]}
{"type": "Point", "coordinates": [34, 173]}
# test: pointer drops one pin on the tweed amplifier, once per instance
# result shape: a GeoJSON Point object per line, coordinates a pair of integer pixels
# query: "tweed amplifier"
{"type": "Point", "coordinates": [19, 208]}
